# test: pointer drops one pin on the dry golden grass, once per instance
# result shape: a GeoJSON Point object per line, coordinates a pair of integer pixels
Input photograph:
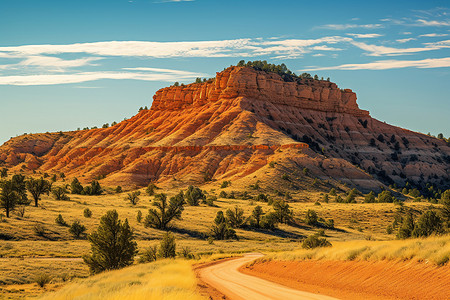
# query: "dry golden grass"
{"type": "Point", "coordinates": [434, 249]}
{"type": "Point", "coordinates": [162, 280]}
{"type": "Point", "coordinates": [354, 221]}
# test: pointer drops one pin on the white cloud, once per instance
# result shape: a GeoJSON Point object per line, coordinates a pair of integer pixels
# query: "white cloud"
{"type": "Point", "coordinates": [374, 50]}
{"type": "Point", "coordinates": [52, 79]}
{"type": "Point", "coordinates": [349, 26]}
{"type": "Point", "coordinates": [422, 22]}
{"type": "Point", "coordinates": [406, 40]}
{"type": "Point", "coordinates": [365, 35]}
{"type": "Point", "coordinates": [433, 35]}
{"type": "Point", "coordinates": [390, 64]}
{"type": "Point", "coordinates": [51, 61]}
{"type": "Point", "coordinates": [137, 48]}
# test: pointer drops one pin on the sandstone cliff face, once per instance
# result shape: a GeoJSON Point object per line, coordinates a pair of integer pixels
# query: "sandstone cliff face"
{"type": "Point", "coordinates": [232, 127]}
{"type": "Point", "coordinates": [247, 83]}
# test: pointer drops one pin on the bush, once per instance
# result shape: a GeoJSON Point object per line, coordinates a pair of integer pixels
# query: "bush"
{"type": "Point", "coordinates": [385, 197]}
{"type": "Point", "coordinates": [221, 230]}
{"type": "Point", "coordinates": [329, 223]}
{"type": "Point", "coordinates": [333, 192]}
{"type": "Point", "coordinates": [269, 220]}
{"type": "Point", "coordinates": [313, 241]}
{"type": "Point", "coordinates": [210, 200]}
{"type": "Point", "coordinates": [186, 253]}
{"type": "Point", "coordinates": [285, 177]}
{"type": "Point", "coordinates": [311, 217]}
{"type": "Point", "coordinates": [77, 229]}
{"type": "Point", "coordinates": [112, 244]}
{"type": "Point", "coordinates": [261, 197]}
{"type": "Point", "coordinates": [351, 196]}
{"type": "Point", "coordinates": [282, 211]}
{"type": "Point", "coordinates": [42, 279]}
{"type": "Point", "coordinates": [223, 194]}
{"type": "Point", "coordinates": [406, 227]}
{"type": "Point", "coordinates": [59, 193]}
{"type": "Point", "coordinates": [235, 217]}
{"type": "Point", "coordinates": [167, 247]}
{"type": "Point", "coordinates": [87, 213]}
{"type": "Point", "coordinates": [225, 184]}
{"type": "Point", "coordinates": [133, 197]}
{"type": "Point", "coordinates": [370, 198]}
{"type": "Point", "coordinates": [139, 216]}
{"type": "Point", "coordinates": [427, 224]}
{"type": "Point", "coordinates": [194, 195]}
{"type": "Point", "coordinates": [150, 254]}
{"type": "Point", "coordinates": [151, 189]}
{"type": "Point", "coordinates": [76, 187]}
{"type": "Point", "coordinates": [118, 189]}
{"type": "Point", "coordinates": [60, 220]}
{"type": "Point", "coordinates": [94, 189]}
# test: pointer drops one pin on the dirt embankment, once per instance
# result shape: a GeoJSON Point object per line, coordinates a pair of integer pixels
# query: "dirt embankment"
{"type": "Point", "coordinates": [359, 279]}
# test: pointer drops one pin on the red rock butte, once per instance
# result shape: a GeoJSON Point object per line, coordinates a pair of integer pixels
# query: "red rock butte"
{"type": "Point", "coordinates": [230, 128]}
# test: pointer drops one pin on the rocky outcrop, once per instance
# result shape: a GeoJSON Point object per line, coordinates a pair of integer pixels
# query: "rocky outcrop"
{"type": "Point", "coordinates": [232, 127]}
{"type": "Point", "coordinates": [247, 83]}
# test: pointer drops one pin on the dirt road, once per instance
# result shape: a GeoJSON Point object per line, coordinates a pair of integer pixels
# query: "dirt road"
{"type": "Point", "coordinates": [226, 278]}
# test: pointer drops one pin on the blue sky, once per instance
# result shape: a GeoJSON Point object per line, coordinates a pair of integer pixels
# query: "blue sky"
{"type": "Point", "coordinates": [70, 64]}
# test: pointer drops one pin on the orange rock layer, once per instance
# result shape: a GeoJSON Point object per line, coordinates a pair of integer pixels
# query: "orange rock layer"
{"type": "Point", "coordinates": [232, 127]}
{"type": "Point", "coordinates": [247, 83]}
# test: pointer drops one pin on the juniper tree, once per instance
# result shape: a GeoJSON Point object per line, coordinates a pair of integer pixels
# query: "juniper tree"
{"type": "Point", "coordinates": [235, 217]}
{"type": "Point", "coordinates": [257, 214]}
{"type": "Point", "coordinates": [76, 187]}
{"type": "Point", "coordinates": [220, 230]}
{"type": "Point", "coordinates": [9, 197]}
{"type": "Point", "coordinates": [112, 244]}
{"type": "Point", "coordinates": [165, 211]}
{"type": "Point", "coordinates": [38, 187]}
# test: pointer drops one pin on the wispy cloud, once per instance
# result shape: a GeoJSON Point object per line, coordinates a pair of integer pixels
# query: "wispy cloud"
{"type": "Point", "coordinates": [349, 26]}
{"type": "Point", "coordinates": [401, 41]}
{"type": "Point", "coordinates": [365, 35]}
{"type": "Point", "coordinates": [52, 79]}
{"type": "Point", "coordinates": [375, 50]}
{"type": "Point", "coordinates": [390, 64]}
{"type": "Point", "coordinates": [422, 22]}
{"type": "Point", "coordinates": [433, 35]}
{"type": "Point", "coordinates": [136, 48]}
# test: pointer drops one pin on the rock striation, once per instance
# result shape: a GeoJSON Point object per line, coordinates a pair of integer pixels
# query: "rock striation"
{"type": "Point", "coordinates": [248, 83]}
{"type": "Point", "coordinates": [230, 128]}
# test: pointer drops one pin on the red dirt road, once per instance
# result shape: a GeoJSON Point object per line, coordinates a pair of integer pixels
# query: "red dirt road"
{"type": "Point", "coordinates": [359, 279]}
{"type": "Point", "coordinates": [227, 279]}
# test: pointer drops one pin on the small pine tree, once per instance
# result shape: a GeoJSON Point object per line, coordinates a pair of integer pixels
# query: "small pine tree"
{"type": "Point", "coordinates": [87, 213]}
{"type": "Point", "coordinates": [167, 248]}
{"type": "Point", "coordinates": [112, 244]}
{"type": "Point", "coordinates": [257, 215]}
{"type": "Point", "coordinates": [77, 229]}
{"type": "Point", "coordinates": [60, 220]}
{"type": "Point", "coordinates": [139, 216]}
{"type": "Point", "coordinates": [76, 187]}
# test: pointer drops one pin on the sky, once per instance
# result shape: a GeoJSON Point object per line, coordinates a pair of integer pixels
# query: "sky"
{"type": "Point", "coordinates": [73, 64]}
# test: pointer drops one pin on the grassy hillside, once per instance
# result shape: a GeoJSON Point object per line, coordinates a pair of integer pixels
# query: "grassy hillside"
{"type": "Point", "coordinates": [168, 280]}
{"type": "Point", "coordinates": [25, 253]}
{"type": "Point", "coordinates": [435, 250]}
